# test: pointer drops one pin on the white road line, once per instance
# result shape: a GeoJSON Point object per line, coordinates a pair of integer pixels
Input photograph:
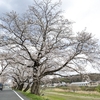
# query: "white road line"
{"type": "Point", "coordinates": [18, 95]}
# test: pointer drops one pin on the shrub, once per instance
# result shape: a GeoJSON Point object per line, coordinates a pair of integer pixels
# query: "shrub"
{"type": "Point", "coordinates": [86, 88]}
{"type": "Point", "coordinates": [98, 88]}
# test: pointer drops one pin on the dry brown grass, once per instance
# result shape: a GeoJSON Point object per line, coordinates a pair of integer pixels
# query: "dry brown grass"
{"type": "Point", "coordinates": [81, 92]}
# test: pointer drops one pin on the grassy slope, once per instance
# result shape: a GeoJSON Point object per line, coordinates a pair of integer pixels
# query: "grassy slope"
{"type": "Point", "coordinates": [32, 96]}
{"type": "Point", "coordinates": [52, 94]}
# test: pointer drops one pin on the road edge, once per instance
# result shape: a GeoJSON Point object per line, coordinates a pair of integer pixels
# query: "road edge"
{"type": "Point", "coordinates": [18, 95]}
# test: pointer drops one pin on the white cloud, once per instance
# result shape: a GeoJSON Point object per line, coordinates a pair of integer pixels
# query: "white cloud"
{"type": "Point", "coordinates": [20, 6]}
{"type": "Point", "coordinates": [85, 13]}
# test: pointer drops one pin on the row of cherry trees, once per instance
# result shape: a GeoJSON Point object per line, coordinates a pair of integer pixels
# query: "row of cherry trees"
{"type": "Point", "coordinates": [41, 42]}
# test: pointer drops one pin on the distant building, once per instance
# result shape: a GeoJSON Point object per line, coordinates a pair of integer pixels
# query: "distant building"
{"type": "Point", "coordinates": [80, 84]}
{"type": "Point", "coordinates": [90, 84]}
{"type": "Point", "coordinates": [94, 83]}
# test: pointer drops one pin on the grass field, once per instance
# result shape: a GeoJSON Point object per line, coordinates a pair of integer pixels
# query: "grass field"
{"type": "Point", "coordinates": [53, 94]}
{"type": "Point", "coordinates": [58, 94]}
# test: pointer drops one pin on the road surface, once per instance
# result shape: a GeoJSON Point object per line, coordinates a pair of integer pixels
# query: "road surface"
{"type": "Point", "coordinates": [8, 94]}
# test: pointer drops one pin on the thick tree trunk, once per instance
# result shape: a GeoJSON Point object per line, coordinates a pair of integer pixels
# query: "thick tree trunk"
{"type": "Point", "coordinates": [35, 88]}
{"type": "Point", "coordinates": [27, 87]}
{"type": "Point", "coordinates": [20, 87]}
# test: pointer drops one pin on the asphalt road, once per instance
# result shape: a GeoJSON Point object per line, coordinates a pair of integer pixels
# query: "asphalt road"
{"type": "Point", "coordinates": [8, 94]}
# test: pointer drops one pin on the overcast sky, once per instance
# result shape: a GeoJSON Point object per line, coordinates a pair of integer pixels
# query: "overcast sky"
{"type": "Point", "coordinates": [85, 13]}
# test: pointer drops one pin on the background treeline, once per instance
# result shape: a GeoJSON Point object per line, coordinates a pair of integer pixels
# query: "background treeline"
{"type": "Point", "coordinates": [76, 78]}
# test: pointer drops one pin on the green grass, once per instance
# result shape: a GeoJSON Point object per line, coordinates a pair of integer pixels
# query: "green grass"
{"type": "Point", "coordinates": [56, 97]}
{"type": "Point", "coordinates": [51, 94]}
{"type": "Point", "coordinates": [32, 96]}
{"type": "Point", "coordinates": [59, 97]}
{"type": "Point", "coordinates": [69, 97]}
{"type": "Point", "coordinates": [75, 94]}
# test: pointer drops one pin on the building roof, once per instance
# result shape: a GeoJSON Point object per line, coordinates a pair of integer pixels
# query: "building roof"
{"type": "Point", "coordinates": [80, 82]}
